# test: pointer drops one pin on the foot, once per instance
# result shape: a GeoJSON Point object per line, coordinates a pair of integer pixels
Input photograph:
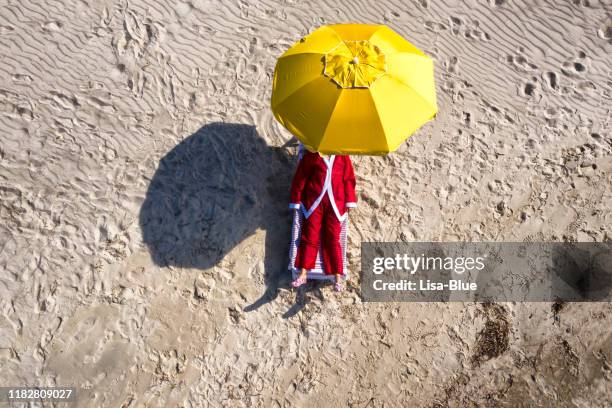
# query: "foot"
{"type": "Point", "coordinates": [300, 280]}
{"type": "Point", "coordinates": [338, 286]}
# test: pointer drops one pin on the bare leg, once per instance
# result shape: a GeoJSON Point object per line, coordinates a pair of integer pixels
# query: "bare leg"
{"type": "Point", "coordinates": [303, 273]}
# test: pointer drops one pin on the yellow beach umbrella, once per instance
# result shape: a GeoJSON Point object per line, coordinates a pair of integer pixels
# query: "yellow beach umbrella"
{"type": "Point", "coordinates": [353, 89]}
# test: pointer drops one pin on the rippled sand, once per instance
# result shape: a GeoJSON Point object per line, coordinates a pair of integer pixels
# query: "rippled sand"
{"type": "Point", "coordinates": [144, 189]}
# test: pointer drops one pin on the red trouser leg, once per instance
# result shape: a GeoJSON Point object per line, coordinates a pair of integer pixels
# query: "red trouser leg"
{"type": "Point", "coordinates": [308, 247]}
{"type": "Point", "coordinates": [332, 251]}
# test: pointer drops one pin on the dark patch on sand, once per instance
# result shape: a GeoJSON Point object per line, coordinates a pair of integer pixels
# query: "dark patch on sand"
{"type": "Point", "coordinates": [493, 339]}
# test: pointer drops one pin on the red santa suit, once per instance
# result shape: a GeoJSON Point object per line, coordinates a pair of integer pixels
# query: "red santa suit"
{"type": "Point", "coordinates": [322, 188]}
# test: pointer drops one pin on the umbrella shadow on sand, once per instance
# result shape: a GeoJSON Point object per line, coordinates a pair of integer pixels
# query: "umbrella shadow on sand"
{"type": "Point", "coordinates": [212, 191]}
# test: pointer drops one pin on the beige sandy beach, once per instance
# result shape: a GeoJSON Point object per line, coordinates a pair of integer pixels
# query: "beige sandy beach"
{"type": "Point", "coordinates": [143, 203]}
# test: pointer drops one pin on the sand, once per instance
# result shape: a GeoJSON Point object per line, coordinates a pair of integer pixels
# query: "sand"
{"type": "Point", "coordinates": [145, 229]}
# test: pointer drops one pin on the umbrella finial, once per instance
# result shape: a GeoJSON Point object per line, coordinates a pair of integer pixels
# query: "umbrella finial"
{"type": "Point", "coordinates": [355, 60]}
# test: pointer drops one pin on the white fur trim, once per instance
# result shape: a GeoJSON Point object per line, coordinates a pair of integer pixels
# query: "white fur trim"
{"type": "Point", "coordinates": [294, 206]}
{"type": "Point", "coordinates": [327, 189]}
{"type": "Point", "coordinates": [351, 205]}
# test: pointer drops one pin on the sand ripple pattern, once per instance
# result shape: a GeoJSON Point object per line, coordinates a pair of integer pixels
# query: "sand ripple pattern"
{"type": "Point", "coordinates": [143, 192]}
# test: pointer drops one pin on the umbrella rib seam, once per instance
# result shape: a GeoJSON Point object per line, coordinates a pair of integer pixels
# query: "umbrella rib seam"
{"type": "Point", "coordinates": [413, 90]}
{"type": "Point", "coordinates": [379, 120]}
{"type": "Point", "coordinates": [329, 119]}
{"type": "Point", "coordinates": [278, 103]}
{"type": "Point", "coordinates": [382, 26]}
